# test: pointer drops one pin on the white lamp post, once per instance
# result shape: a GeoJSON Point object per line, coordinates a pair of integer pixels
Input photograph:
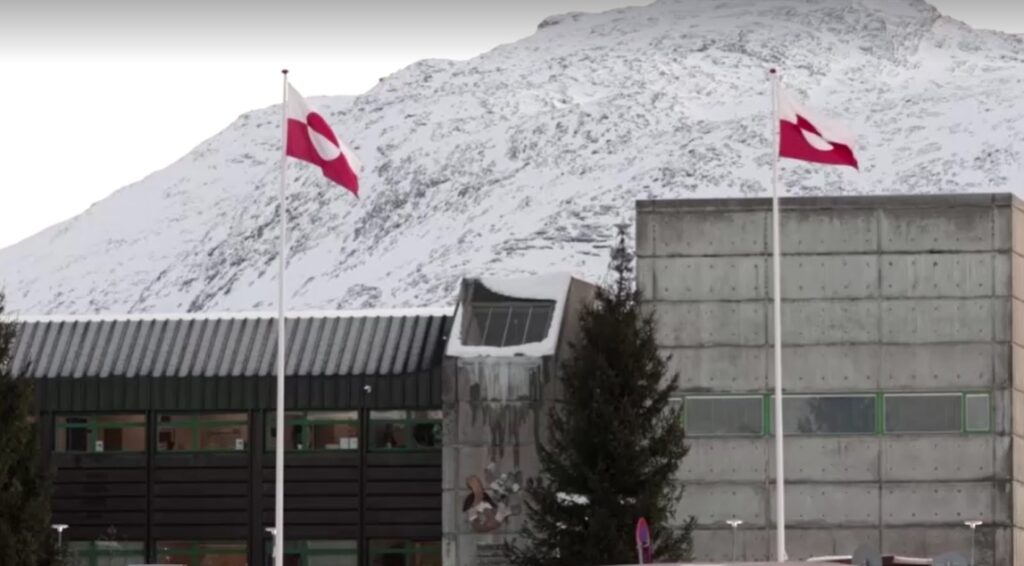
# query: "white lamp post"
{"type": "Point", "coordinates": [60, 528]}
{"type": "Point", "coordinates": [973, 525]}
{"type": "Point", "coordinates": [273, 536]}
{"type": "Point", "coordinates": [734, 523]}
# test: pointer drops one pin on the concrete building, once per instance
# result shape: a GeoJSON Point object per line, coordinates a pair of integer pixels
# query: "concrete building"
{"type": "Point", "coordinates": [159, 430]}
{"type": "Point", "coordinates": [905, 408]}
{"type": "Point", "coordinates": [500, 378]}
{"type": "Point", "coordinates": [411, 434]}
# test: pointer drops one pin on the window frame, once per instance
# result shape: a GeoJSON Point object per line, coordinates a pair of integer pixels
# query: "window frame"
{"type": "Point", "coordinates": [410, 423]}
{"type": "Point", "coordinates": [905, 394]}
{"type": "Point", "coordinates": [92, 555]}
{"type": "Point", "coordinates": [195, 425]}
{"type": "Point", "coordinates": [963, 395]}
{"type": "Point", "coordinates": [407, 551]}
{"type": "Point", "coordinates": [91, 426]}
{"type": "Point", "coordinates": [874, 416]}
{"type": "Point", "coordinates": [537, 306]}
{"type": "Point", "coordinates": [768, 412]}
{"type": "Point", "coordinates": [193, 551]}
{"type": "Point", "coordinates": [989, 423]}
{"type": "Point", "coordinates": [307, 423]}
{"type": "Point", "coordinates": [764, 416]}
{"type": "Point", "coordinates": [301, 549]}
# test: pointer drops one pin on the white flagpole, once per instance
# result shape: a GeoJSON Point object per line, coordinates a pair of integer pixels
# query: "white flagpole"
{"type": "Point", "coordinates": [282, 258]}
{"type": "Point", "coordinates": [780, 484]}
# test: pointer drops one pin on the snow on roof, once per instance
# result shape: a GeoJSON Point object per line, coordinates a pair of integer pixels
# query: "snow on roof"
{"type": "Point", "coordinates": [365, 343]}
{"type": "Point", "coordinates": [355, 313]}
{"type": "Point", "coordinates": [546, 287]}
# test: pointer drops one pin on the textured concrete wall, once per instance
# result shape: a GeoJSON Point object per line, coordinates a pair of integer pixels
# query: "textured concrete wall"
{"type": "Point", "coordinates": [880, 294]}
{"type": "Point", "coordinates": [495, 411]}
{"type": "Point", "coordinates": [495, 414]}
{"type": "Point", "coordinates": [1017, 397]}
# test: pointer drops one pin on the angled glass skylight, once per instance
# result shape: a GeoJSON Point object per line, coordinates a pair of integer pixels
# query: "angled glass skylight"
{"type": "Point", "coordinates": [497, 320]}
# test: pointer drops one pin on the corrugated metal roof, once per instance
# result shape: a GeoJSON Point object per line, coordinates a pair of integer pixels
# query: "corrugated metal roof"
{"type": "Point", "coordinates": [319, 344]}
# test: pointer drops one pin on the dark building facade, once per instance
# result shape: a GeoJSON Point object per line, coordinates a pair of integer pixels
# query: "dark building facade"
{"type": "Point", "coordinates": [159, 433]}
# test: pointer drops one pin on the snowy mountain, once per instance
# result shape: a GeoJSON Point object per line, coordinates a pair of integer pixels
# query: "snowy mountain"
{"type": "Point", "coordinates": [522, 160]}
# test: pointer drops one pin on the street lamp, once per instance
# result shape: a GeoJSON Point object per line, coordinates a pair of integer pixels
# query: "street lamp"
{"type": "Point", "coordinates": [60, 528]}
{"type": "Point", "coordinates": [734, 523]}
{"type": "Point", "coordinates": [973, 525]}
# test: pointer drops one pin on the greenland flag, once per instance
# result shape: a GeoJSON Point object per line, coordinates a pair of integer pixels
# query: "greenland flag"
{"type": "Point", "coordinates": [806, 136]}
{"type": "Point", "coordinates": [311, 139]}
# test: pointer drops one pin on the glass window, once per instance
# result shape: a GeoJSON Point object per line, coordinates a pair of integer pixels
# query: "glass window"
{"type": "Point", "coordinates": [734, 415]}
{"type": "Point", "coordinates": [538, 322]}
{"type": "Point", "coordinates": [202, 553]}
{"type": "Point", "coordinates": [978, 417]}
{"type": "Point", "coordinates": [476, 324]}
{"type": "Point", "coordinates": [405, 430]}
{"type": "Point", "coordinates": [828, 414]}
{"type": "Point", "coordinates": [203, 431]}
{"type": "Point", "coordinates": [923, 412]}
{"type": "Point", "coordinates": [516, 331]}
{"type": "Point", "coordinates": [105, 553]}
{"type": "Point", "coordinates": [338, 430]}
{"type": "Point", "coordinates": [405, 553]}
{"type": "Point", "coordinates": [317, 553]}
{"type": "Point", "coordinates": [100, 433]}
{"type": "Point", "coordinates": [508, 324]}
{"type": "Point", "coordinates": [497, 324]}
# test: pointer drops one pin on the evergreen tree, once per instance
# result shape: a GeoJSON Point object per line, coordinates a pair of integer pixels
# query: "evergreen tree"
{"type": "Point", "coordinates": [26, 538]}
{"type": "Point", "coordinates": [616, 442]}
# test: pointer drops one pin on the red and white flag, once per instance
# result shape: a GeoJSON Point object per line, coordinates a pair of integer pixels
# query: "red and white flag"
{"type": "Point", "coordinates": [311, 139]}
{"type": "Point", "coordinates": [806, 136]}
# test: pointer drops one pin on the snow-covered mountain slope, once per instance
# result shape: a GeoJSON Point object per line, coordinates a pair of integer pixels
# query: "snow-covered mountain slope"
{"type": "Point", "coordinates": [522, 160]}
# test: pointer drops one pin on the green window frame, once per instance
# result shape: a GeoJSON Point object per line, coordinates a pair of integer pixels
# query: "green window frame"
{"type": "Point", "coordinates": [869, 416]}
{"type": "Point", "coordinates": [968, 403]}
{"type": "Point", "coordinates": [315, 552]}
{"type": "Point", "coordinates": [308, 422]}
{"type": "Point", "coordinates": [716, 408]}
{"type": "Point", "coordinates": [972, 420]}
{"type": "Point", "coordinates": [976, 412]}
{"type": "Point", "coordinates": [94, 428]}
{"type": "Point", "coordinates": [386, 552]}
{"type": "Point", "coordinates": [170, 552]}
{"type": "Point", "coordinates": [912, 401]}
{"type": "Point", "coordinates": [197, 423]}
{"type": "Point", "coordinates": [410, 431]}
{"type": "Point", "coordinates": [106, 553]}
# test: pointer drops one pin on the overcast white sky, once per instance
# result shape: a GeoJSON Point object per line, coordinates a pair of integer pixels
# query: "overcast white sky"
{"type": "Point", "coordinates": [97, 94]}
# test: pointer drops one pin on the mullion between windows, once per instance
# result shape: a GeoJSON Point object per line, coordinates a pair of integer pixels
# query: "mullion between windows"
{"type": "Point", "coordinates": [963, 413]}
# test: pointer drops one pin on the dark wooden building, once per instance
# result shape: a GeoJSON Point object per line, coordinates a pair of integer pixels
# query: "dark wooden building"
{"type": "Point", "coordinates": [160, 435]}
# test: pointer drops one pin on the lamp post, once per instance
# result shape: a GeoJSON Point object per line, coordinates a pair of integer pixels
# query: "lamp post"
{"type": "Point", "coordinates": [973, 525]}
{"type": "Point", "coordinates": [273, 537]}
{"type": "Point", "coordinates": [60, 528]}
{"type": "Point", "coordinates": [734, 523]}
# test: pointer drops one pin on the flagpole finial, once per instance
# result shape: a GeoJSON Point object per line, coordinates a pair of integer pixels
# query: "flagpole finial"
{"type": "Point", "coordinates": [284, 71]}
{"type": "Point", "coordinates": [772, 71]}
